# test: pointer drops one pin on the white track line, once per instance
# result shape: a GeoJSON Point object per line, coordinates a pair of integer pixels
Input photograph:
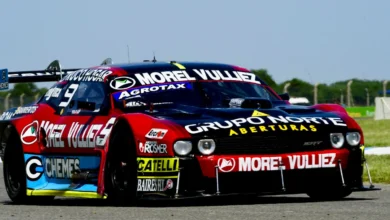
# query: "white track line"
{"type": "Point", "coordinates": [377, 151]}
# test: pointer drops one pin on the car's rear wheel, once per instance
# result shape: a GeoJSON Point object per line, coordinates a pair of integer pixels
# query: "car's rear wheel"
{"type": "Point", "coordinates": [329, 193]}
{"type": "Point", "coordinates": [121, 168]}
{"type": "Point", "coordinates": [14, 171]}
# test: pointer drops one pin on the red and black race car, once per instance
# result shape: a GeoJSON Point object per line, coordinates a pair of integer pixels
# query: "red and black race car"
{"type": "Point", "coordinates": [173, 130]}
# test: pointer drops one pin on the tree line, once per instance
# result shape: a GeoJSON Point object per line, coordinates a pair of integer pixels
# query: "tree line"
{"type": "Point", "coordinates": [331, 93]}
{"type": "Point", "coordinates": [298, 88]}
{"type": "Point", "coordinates": [28, 89]}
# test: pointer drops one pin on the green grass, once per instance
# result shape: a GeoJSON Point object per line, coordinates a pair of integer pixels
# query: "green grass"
{"type": "Point", "coordinates": [379, 166]}
{"type": "Point", "coordinates": [376, 133]}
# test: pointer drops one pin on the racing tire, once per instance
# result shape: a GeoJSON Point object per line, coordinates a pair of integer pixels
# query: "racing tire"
{"type": "Point", "coordinates": [14, 173]}
{"type": "Point", "coordinates": [121, 168]}
{"type": "Point", "coordinates": [329, 194]}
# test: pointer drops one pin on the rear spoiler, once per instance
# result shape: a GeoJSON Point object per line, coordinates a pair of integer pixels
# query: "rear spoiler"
{"type": "Point", "coordinates": [53, 72]}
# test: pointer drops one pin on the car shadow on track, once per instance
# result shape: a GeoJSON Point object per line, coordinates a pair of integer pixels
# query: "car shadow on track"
{"type": "Point", "coordinates": [208, 201]}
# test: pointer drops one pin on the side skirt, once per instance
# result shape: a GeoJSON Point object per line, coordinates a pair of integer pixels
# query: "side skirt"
{"type": "Point", "coordinates": [66, 193]}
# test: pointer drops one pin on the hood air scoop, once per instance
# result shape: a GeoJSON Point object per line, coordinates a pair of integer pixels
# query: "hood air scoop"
{"type": "Point", "coordinates": [297, 109]}
{"type": "Point", "coordinates": [250, 103]}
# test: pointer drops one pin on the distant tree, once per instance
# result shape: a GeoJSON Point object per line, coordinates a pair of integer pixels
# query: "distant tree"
{"type": "Point", "coordinates": [29, 89]}
{"type": "Point", "coordinates": [358, 90]}
{"type": "Point", "coordinates": [267, 78]}
{"type": "Point", "coordinates": [299, 88]}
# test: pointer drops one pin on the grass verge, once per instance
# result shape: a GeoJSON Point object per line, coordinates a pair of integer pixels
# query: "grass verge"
{"type": "Point", "coordinates": [379, 168]}
{"type": "Point", "coordinates": [376, 133]}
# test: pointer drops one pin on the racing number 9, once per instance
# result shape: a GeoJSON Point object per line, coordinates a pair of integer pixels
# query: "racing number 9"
{"type": "Point", "coordinates": [69, 94]}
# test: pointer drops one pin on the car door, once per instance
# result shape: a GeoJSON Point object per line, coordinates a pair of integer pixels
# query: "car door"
{"type": "Point", "coordinates": [81, 122]}
{"type": "Point", "coordinates": [84, 119]}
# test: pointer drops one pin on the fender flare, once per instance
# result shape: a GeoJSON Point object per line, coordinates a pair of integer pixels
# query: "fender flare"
{"type": "Point", "coordinates": [101, 181]}
{"type": "Point", "coordinates": [342, 112]}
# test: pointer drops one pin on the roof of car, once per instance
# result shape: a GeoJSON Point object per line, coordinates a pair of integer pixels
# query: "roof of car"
{"type": "Point", "coordinates": [171, 64]}
{"type": "Point", "coordinates": [159, 66]}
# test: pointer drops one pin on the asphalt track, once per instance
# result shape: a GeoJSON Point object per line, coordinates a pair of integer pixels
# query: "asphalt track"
{"type": "Point", "coordinates": [360, 205]}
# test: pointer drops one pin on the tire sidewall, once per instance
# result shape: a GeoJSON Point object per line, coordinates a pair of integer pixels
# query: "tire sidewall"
{"type": "Point", "coordinates": [121, 146]}
{"type": "Point", "coordinates": [13, 156]}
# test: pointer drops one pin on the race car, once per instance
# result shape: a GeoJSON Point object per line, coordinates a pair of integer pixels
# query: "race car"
{"type": "Point", "coordinates": [152, 129]}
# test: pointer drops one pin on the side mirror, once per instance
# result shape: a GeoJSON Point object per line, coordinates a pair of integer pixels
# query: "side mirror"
{"type": "Point", "coordinates": [285, 96]}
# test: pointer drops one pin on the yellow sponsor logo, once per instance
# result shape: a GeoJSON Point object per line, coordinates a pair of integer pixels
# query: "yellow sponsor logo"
{"type": "Point", "coordinates": [257, 113]}
{"type": "Point", "coordinates": [156, 165]}
{"type": "Point", "coordinates": [178, 65]}
{"type": "Point", "coordinates": [283, 123]}
{"type": "Point", "coordinates": [270, 128]}
{"type": "Point", "coordinates": [157, 177]}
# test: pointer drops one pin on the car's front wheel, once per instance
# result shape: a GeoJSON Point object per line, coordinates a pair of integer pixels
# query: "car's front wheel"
{"type": "Point", "coordinates": [14, 171]}
{"type": "Point", "coordinates": [121, 168]}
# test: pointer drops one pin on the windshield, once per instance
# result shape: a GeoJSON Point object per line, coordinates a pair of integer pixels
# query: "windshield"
{"type": "Point", "coordinates": [201, 94]}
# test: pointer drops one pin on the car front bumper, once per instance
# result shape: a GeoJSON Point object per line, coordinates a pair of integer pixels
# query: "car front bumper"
{"type": "Point", "coordinates": [285, 173]}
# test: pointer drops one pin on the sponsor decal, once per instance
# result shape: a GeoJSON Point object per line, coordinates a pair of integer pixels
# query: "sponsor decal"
{"type": "Point", "coordinates": [121, 83]}
{"type": "Point", "coordinates": [135, 104]}
{"type": "Point", "coordinates": [69, 93]}
{"type": "Point", "coordinates": [226, 75]}
{"type": "Point", "coordinates": [92, 75]}
{"type": "Point", "coordinates": [139, 103]}
{"type": "Point", "coordinates": [158, 164]}
{"type": "Point", "coordinates": [83, 136]}
{"type": "Point", "coordinates": [89, 136]}
{"type": "Point", "coordinates": [226, 164]}
{"type": "Point", "coordinates": [156, 133]}
{"type": "Point", "coordinates": [76, 112]}
{"type": "Point", "coordinates": [312, 143]}
{"type": "Point", "coordinates": [154, 185]}
{"type": "Point", "coordinates": [60, 167]}
{"type": "Point", "coordinates": [34, 168]}
{"type": "Point", "coordinates": [312, 161]}
{"type": "Point", "coordinates": [152, 147]}
{"type": "Point", "coordinates": [26, 110]}
{"type": "Point", "coordinates": [290, 162]}
{"type": "Point", "coordinates": [78, 136]}
{"type": "Point", "coordinates": [18, 111]}
{"type": "Point", "coordinates": [150, 89]}
{"type": "Point", "coordinates": [178, 65]}
{"type": "Point", "coordinates": [202, 74]}
{"type": "Point", "coordinates": [102, 137]}
{"type": "Point", "coordinates": [163, 77]}
{"type": "Point", "coordinates": [29, 133]}
{"type": "Point", "coordinates": [7, 115]}
{"type": "Point", "coordinates": [267, 128]}
{"type": "Point", "coordinates": [248, 164]}
{"type": "Point", "coordinates": [52, 92]}
{"type": "Point", "coordinates": [258, 113]}
{"type": "Point", "coordinates": [53, 134]}
{"type": "Point", "coordinates": [256, 120]}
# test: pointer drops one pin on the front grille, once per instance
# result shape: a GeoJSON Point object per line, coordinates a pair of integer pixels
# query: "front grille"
{"type": "Point", "coordinates": [270, 144]}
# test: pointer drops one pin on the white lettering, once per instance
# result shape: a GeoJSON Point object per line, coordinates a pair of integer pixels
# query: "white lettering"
{"type": "Point", "coordinates": [337, 121]}
{"type": "Point", "coordinates": [61, 168]}
{"type": "Point", "coordinates": [101, 138]}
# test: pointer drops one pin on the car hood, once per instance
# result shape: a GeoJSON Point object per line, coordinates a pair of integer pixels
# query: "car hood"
{"type": "Point", "coordinates": [228, 122]}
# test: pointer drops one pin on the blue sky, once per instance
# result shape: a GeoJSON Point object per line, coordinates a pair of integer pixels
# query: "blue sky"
{"type": "Point", "coordinates": [317, 41]}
